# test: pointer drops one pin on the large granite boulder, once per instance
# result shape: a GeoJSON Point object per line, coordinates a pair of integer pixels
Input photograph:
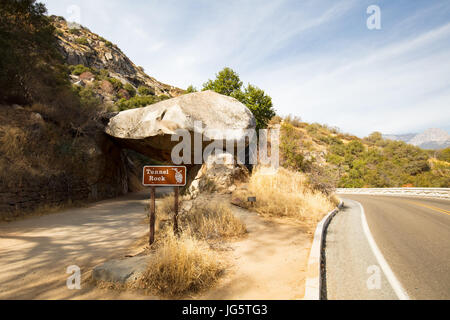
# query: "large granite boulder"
{"type": "Point", "coordinates": [149, 130]}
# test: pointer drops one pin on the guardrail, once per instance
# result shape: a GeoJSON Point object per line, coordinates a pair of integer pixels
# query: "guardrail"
{"type": "Point", "coordinates": [443, 193]}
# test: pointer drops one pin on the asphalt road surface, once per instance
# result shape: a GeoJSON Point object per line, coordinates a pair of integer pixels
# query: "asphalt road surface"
{"type": "Point", "coordinates": [388, 247]}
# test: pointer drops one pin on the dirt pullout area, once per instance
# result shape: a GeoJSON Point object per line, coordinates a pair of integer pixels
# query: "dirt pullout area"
{"type": "Point", "coordinates": [269, 264]}
{"type": "Point", "coordinates": [35, 253]}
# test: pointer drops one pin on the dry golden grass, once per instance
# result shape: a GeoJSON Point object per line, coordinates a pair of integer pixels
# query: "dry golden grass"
{"type": "Point", "coordinates": [180, 265]}
{"type": "Point", "coordinates": [12, 141]}
{"type": "Point", "coordinates": [285, 193]}
{"type": "Point", "coordinates": [208, 219]}
{"type": "Point", "coordinates": [212, 220]}
{"type": "Point", "coordinates": [186, 264]}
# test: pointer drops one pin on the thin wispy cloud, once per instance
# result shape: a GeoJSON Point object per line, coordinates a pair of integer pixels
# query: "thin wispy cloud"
{"type": "Point", "coordinates": [317, 59]}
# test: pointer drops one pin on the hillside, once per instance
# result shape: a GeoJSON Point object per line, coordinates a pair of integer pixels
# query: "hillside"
{"type": "Point", "coordinates": [58, 85]}
{"type": "Point", "coordinates": [332, 158]}
{"type": "Point", "coordinates": [98, 64]}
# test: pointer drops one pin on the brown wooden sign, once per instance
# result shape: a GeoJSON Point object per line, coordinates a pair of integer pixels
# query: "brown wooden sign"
{"type": "Point", "coordinates": [164, 176]}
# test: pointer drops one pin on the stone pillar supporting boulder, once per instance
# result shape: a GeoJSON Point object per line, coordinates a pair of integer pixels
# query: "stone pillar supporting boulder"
{"type": "Point", "coordinates": [219, 173]}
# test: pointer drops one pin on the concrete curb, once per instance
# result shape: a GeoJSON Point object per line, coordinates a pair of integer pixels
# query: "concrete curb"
{"type": "Point", "coordinates": [313, 285]}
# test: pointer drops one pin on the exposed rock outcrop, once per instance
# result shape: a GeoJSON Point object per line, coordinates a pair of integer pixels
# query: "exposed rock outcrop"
{"type": "Point", "coordinates": [79, 45]}
{"type": "Point", "coordinates": [148, 130]}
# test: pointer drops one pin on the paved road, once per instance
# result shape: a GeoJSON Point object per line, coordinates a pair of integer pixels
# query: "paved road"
{"type": "Point", "coordinates": [409, 256]}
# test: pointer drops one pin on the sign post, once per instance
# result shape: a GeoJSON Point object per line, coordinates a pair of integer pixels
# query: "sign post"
{"type": "Point", "coordinates": [163, 176]}
{"type": "Point", "coordinates": [175, 216]}
{"type": "Point", "coordinates": [152, 215]}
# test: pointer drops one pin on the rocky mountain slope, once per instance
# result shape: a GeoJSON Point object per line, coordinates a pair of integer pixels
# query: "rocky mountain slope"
{"type": "Point", "coordinates": [432, 139]}
{"type": "Point", "coordinates": [102, 61]}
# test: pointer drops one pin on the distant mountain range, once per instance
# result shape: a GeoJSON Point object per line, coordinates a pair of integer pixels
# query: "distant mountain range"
{"type": "Point", "coordinates": [431, 139]}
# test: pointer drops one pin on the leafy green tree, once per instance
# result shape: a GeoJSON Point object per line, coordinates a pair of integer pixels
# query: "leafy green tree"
{"type": "Point", "coordinates": [259, 104]}
{"type": "Point", "coordinates": [228, 83]}
{"type": "Point", "coordinates": [191, 89]}
{"type": "Point", "coordinates": [375, 138]}
{"type": "Point", "coordinates": [27, 42]}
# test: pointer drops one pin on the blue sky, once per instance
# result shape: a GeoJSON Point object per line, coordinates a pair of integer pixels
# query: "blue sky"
{"type": "Point", "coordinates": [316, 59]}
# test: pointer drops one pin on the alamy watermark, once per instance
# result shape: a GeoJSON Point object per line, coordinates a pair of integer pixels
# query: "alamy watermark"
{"type": "Point", "coordinates": [73, 282]}
{"type": "Point", "coordinates": [247, 146]}
{"type": "Point", "coordinates": [374, 280]}
{"type": "Point", "coordinates": [374, 20]}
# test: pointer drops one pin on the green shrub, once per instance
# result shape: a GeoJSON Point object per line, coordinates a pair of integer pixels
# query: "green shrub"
{"type": "Point", "coordinates": [75, 31]}
{"type": "Point", "coordinates": [82, 41]}
{"type": "Point", "coordinates": [444, 155]}
{"type": "Point", "coordinates": [108, 44]}
{"type": "Point", "coordinates": [117, 84]}
{"type": "Point", "coordinates": [79, 69]}
{"type": "Point", "coordinates": [88, 98]}
{"type": "Point", "coordinates": [290, 148]}
{"type": "Point", "coordinates": [138, 102]}
{"type": "Point", "coordinates": [130, 89]}
{"type": "Point", "coordinates": [103, 74]}
{"type": "Point", "coordinates": [146, 91]}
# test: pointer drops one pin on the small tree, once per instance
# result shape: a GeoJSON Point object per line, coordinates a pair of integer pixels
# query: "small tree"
{"type": "Point", "coordinates": [191, 89]}
{"type": "Point", "coordinates": [259, 104]}
{"type": "Point", "coordinates": [227, 83]}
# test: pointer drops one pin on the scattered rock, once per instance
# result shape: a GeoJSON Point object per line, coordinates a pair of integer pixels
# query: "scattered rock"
{"type": "Point", "coordinates": [87, 76]}
{"type": "Point", "coordinates": [107, 87]}
{"type": "Point", "coordinates": [79, 83]}
{"type": "Point", "coordinates": [124, 94]}
{"type": "Point", "coordinates": [122, 271]}
{"type": "Point", "coordinates": [36, 118]}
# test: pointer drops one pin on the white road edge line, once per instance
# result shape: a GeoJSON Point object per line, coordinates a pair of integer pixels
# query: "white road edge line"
{"type": "Point", "coordinates": [393, 281]}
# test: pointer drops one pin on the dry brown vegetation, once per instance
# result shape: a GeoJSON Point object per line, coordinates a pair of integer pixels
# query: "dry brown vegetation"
{"type": "Point", "coordinates": [285, 193]}
{"type": "Point", "coordinates": [181, 265]}
{"type": "Point", "coordinates": [32, 149]}
{"type": "Point", "coordinates": [206, 220]}
{"type": "Point", "coordinates": [186, 264]}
